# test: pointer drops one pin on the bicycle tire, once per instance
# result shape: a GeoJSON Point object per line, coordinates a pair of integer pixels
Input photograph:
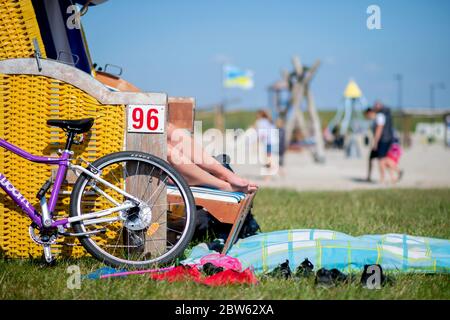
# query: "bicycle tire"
{"type": "Point", "coordinates": [109, 259]}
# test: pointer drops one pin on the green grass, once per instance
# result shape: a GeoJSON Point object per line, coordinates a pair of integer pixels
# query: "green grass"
{"type": "Point", "coordinates": [243, 119]}
{"type": "Point", "coordinates": [416, 212]}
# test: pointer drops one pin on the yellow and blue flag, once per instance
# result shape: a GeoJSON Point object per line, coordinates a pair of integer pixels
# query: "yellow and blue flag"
{"type": "Point", "coordinates": [234, 77]}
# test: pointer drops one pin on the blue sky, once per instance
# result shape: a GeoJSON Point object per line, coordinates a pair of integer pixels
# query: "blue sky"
{"type": "Point", "coordinates": [175, 46]}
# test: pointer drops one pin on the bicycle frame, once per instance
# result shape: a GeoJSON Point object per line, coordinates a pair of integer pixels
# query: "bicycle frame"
{"type": "Point", "coordinates": [64, 164]}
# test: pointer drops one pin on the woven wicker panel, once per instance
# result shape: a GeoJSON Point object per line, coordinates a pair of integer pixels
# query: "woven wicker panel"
{"type": "Point", "coordinates": [26, 103]}
{"type": "Point", "coordinates": [18, 27]}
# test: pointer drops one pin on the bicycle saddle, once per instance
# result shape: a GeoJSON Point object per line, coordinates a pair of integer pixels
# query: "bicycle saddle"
{"type": "Point", "coordinates": [76, 126]}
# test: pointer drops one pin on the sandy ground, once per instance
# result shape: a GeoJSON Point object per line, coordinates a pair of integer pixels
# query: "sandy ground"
{"type": "Point", "coordinates": [425, 166]}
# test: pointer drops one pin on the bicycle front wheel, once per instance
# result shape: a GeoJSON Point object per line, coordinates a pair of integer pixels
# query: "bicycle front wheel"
{"type": "Point", "coordinates": [155, 230]}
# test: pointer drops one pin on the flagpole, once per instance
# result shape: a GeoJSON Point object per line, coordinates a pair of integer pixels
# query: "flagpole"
{"type": "Point", "coordinates": [220, 109]}
{"type": "Point", "coordinates": [222, 73]}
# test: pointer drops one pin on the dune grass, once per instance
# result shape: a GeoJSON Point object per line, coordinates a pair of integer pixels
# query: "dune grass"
{"type": "Point", "coordinates": [416, 212]}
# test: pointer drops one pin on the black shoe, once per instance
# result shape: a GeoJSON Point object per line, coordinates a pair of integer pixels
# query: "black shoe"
{"type": "Point", "coordinates": [305, 269]}
{"type": "Point", "coordinates": [209, 269]}
{"type": "Point", "coordinates": [323, 278]}
{"type": "Point", "coordinates": [250, 227]}
{"type": "Point", "coordinates": [338, 276]}
{"type": "Point", "coordinates": [216, 245]}
{"type": "Point", "coordinates": [328, 278]}
{"type": "Point", "coordinates": [282, 271]}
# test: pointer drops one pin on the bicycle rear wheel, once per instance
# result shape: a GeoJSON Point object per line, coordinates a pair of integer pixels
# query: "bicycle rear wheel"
{"type": "Point", "coordinates": [155, 232]}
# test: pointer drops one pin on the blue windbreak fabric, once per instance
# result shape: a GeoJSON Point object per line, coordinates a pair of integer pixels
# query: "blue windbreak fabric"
{"type": "Point", "coordinates": [330, 249]}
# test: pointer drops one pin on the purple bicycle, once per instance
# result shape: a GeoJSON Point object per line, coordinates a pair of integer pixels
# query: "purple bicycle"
{"type": "Point", "coordinates": [119, 205]}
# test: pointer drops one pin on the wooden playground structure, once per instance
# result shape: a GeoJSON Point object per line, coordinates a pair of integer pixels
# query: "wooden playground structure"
{"type": "Point", "coordinates": [347, 127]}
{"type": "Point", "coordinates": [296, 84]}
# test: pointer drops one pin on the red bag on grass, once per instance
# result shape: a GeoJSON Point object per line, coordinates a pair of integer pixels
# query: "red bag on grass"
{"type": "Point", "coordinates": [186, 273]}
{"type": "Point", "coordinates": [228, 277]}
{"type": "Point", "coordinates": [180, 273]}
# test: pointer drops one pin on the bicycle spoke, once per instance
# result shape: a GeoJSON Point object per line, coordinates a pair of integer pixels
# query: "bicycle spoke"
{"type": "Point", "coordinates": [156, 246]}
{"type": "Point", "coordinates": [160, 240]}
{"type": "Point", "coordinates": [126, 172]}
{"type": "Point", "coordinates": [174, 230]}
{"type": "Point", "coordinates": [112, 173]}
{"type": "Point", "coordinates": [128, 241]}
{"type": "Point", "coordinates": [119, 246]}
{"type": "Point", "coordinates": [137, 168]}
{"type": "Point", "coordinates": [148, 184]}
{"type": "Point", "coordinates": [118, 239]}
{"type": "Point", "coordinates": [169, 203]}
{"type": "Point", "coordinates": [156, 219]}
{"type": "Point", "coordinates": [159, 192]}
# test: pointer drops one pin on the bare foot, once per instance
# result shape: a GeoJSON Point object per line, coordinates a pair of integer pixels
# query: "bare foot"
{"type": "Point", "coordinates": [253, 185]}
{"type": "Point", "coordinates": [235, 183]}
{"type": "Point", "coordinates": [235, 180]}
{"type": "Point", "coordinates": [250, 188]}
{"type": "Point", "coordinates": [240, 184]}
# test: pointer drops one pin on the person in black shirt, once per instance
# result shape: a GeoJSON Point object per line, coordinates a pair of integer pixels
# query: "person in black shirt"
{"type": "Point", "coordinates": [383, 132]}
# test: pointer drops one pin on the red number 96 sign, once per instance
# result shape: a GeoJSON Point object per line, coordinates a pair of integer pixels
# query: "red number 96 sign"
{"type": "Point", "coordinates": [146, 118]}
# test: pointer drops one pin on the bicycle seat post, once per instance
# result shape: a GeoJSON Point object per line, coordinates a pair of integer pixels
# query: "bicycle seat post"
{"type": "Point", "coordinates": [70, 139]}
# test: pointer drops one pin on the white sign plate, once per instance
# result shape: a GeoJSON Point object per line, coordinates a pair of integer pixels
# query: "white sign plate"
{"type": "Point", "coordinates": [146, 118]}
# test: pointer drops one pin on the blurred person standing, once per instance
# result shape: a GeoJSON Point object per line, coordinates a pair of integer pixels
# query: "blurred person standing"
{"type": "Point", "coordinates": [281, 144]}
{"type": "Point", "coordinates": [263, 126]}
{"type": "Point", "coordinates": [383, 138]}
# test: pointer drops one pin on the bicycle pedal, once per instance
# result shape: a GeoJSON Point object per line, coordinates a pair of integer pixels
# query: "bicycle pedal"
{"type": "Point", "coordinates": [48, 256]}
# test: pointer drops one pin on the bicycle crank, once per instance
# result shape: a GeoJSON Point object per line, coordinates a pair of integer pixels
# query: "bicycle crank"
{"type": "Point", "coordinates": [46, 238]}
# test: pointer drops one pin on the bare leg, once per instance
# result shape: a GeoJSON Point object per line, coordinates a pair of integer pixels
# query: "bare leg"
{"type": "Point", "coordinates": [391, 174]}
{"type": "Point", "coordinates": [269, 165]}
{"type": "Point", "coordinates": [382, 166]}
{"type": "Point", "coordinates": [369, 171]}
{"type": "Point", "coordinates": [192, 152]}
{"type": "Point", "coordinates": [393, 167]}
{"type": "Point", "coordinates": [196, 176]}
